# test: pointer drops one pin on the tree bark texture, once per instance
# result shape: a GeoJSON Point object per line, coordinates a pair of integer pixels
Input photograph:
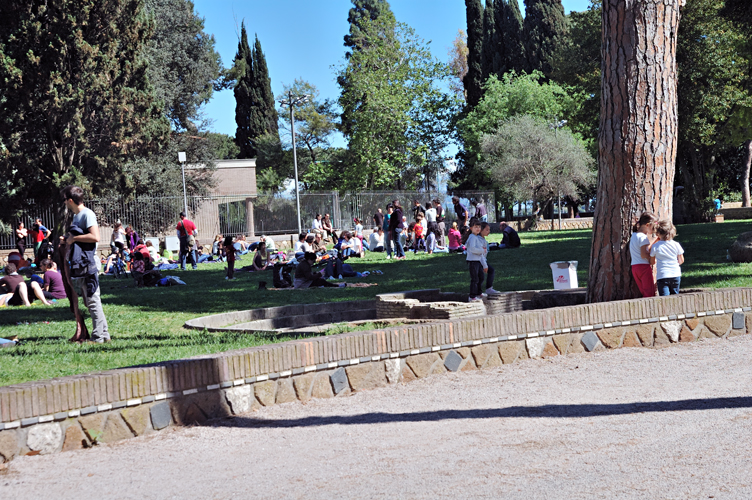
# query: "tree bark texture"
{"type": "Point", "coordinates": [745, 177]}
{"type": "Point", "coordinates": [638, 129]}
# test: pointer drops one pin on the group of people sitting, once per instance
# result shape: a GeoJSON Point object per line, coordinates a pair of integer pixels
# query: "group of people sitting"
{"type": "Point", "coordinates": [16, 290]}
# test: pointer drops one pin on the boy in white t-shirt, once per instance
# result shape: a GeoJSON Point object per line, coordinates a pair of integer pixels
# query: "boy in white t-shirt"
{"type": "Point", "coordinates": [667, 255]}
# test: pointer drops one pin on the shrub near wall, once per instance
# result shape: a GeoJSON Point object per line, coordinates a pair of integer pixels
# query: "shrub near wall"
{"type": "Point", "coordinates": [80, 411]}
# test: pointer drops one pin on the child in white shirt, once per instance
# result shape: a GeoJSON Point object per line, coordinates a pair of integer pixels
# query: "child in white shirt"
{"type": "Point", "coordinates": [477, 251]}
{"type": "Point", "coordinates": [667, 255]}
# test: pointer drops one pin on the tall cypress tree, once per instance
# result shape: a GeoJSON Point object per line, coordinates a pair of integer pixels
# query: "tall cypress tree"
{"type": "Point", "coordinates": [514, 48]}
{"type": "Point", "coordinates": [489, 48]}
{"type": "Point", "coordinates": [474, 78]}
{"type": "Point", "coordinates": [263, 113]}
{"type": "Point", "coordinates": [545, 29]}
{"type": "Point", "coordinates": [500, 55]}
{"type": "Point", "coordinates": [243, 96]}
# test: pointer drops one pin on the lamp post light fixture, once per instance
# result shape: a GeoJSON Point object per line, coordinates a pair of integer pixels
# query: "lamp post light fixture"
{"type": "Point", "coordinates": [290, 102]}
{"type": "Point", "coordinates": [556, 126]}
{"type": "Point", "coordinates": [181, 159]}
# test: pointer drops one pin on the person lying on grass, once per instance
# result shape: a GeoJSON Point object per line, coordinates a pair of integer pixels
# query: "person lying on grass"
{"type": "Point", "coordinates": [306, 278]}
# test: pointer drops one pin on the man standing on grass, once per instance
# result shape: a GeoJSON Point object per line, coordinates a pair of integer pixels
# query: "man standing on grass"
{"type": "Point", "coordinates": [82, 239]}
{"type": "Point", "coordinates": [187, 235]}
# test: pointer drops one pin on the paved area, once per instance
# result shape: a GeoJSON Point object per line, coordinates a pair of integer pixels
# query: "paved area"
{"type": "Point", "coordinates": [632, 423]}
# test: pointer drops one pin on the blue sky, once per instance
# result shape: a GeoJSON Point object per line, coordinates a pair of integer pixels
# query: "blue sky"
{"type": "Point", "coordinates": [304, 39]}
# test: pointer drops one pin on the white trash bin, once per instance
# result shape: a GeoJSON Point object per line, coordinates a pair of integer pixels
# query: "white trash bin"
{"type": "Point", "coordinates": [565, 274]}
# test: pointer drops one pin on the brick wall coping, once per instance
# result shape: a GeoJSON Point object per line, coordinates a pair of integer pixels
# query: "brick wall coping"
{"type": "Point", "coordinates": [263, 319]}
{"type": "Point", "coordinates": [58, 399]}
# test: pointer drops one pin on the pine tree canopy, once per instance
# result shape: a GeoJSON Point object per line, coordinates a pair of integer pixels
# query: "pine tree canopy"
{"type": "Point", "coordinates": [76, 100]}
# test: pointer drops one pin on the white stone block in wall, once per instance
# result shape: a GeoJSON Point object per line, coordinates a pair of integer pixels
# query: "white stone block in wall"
{"type": "Point", "coordinates": [535, 346]}
{"type": "Point", "coordinates": [393, 370]}
{"type": "Point", "coordinates": [240, 398]}
{"type": "Point", "coordinates": [45, 438]}
{"type": "Point", "coordinates": [672, 329]}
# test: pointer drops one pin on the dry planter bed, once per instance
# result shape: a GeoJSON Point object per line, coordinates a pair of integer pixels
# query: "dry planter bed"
{"type": "Point", "coordinates": [74, 412]}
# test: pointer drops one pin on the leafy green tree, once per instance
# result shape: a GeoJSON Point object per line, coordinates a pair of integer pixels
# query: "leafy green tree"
{"type": "Point", "coordinates": [222, 146]}
{"type": "Point", "coordinates": [363, 12]}
{"type": "Point", "coordinates": [533, 161]}
{"type": "Point", "coordinates": [514, 47]}
{"type": "Point", "coordinates": [577, 63]}
{"type": "Point", "coordinates": [545, 29]}
{"type": "Point", "coordinates": [474, 78]}
{"type": "Point", "coordinates": [184, 68]}
{"type": "Point", "coordinates": [398, 113]}
{"type": "Point", "coordinates": [314, 121]}
{"type": "Point", "coordinates": [490, 48]}
{"type": "Point", "coordinates": [714, 93]}
{"type": "Point", "coordinates": [243, 71]}
{"type": "Point", "coordinates": [76, 100]}
{"type": "Point", "coordinates": [505, 98]}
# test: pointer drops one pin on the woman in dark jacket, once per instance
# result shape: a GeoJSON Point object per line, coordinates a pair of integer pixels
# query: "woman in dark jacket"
{"type": "Point", "coordinates": [395, 228]}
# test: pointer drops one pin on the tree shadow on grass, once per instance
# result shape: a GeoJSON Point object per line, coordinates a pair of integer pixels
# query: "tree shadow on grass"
{"type": "Point", "coordinates": [544, 411]}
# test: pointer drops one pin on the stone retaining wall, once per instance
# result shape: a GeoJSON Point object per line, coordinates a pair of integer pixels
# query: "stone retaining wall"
{"type": "Point", "coordinates": [74, 412]}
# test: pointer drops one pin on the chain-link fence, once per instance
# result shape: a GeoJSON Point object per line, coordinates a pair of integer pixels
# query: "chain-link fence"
{"type": "Point", "coordinates": [242, 214]}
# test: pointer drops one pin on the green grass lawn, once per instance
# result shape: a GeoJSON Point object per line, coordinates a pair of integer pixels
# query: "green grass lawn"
{"type": "Point", "coordinates": [147, 324]}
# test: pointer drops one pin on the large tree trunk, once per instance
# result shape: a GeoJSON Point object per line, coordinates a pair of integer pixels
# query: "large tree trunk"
{"type": "Point", "coordinates": [745, 177]}
{"type": "Point", "coordinates": [638, 129]}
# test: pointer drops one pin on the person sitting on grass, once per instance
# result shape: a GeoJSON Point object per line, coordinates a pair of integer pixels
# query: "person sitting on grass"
{"type": "Point", "coordinates": [509, 238]}
{"type": "Point", "coordinates": [327, 226]}
{"type": "Point", "coordinates": [318, 245]}
{"type": "Point", "coordinates": [17, 290]}
{"type": "Point", "coordinates": [53, 287]}
{"type": "Point", "coordinates": [306, 278]}
{"type": "Point", "coordinates": [345, 246]}
{"type": "Point", "coordinates": [376, 240]}
{"type": "Point", "coordinates": [298, 248]}
{"type": "Point", "coordinates": [261, 258]}
{"type": "Point", "coordinates": [455, 243]}
{"type": "Point", "coordinates": [139, 268]}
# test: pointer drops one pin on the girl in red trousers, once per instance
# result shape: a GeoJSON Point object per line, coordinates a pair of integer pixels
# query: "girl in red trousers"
{"type": "Point", "coordinates": [639, 247]}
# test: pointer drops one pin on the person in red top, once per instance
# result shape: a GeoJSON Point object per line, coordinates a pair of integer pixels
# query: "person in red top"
{"type": "Point", "coordinates": [143, 250]}
{"type": "Point", "coordinates": [187, 235]}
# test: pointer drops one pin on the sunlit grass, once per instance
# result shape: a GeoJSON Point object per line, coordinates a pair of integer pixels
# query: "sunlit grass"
{"type": "Point", "coordinates": [147, 324]}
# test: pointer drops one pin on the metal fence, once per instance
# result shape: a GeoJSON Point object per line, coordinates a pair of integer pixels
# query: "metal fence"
{"type": "Point", "coordinates": [243, 214]}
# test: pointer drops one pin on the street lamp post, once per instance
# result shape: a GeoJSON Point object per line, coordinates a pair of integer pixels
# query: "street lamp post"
{"type": "Point", "coordinates": [556, 126]}
{"type": "Point", "coordinates": [181, 159]}
{"type": "Point", "coordinates": [291, 101]}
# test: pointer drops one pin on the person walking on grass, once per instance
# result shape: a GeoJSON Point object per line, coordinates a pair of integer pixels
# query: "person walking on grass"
{"type": "Point", "coordinates": [477, 253]}
{"type": "Point", "coordinates": [667, 255]}
{"type": "Point", "coordinates": [639, 248]}
{"type": "Point", "coordinates": [82, 239]}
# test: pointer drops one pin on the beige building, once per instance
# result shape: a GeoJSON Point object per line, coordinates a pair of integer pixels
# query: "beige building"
{"type": "Point", "coordinates": [232, 197]}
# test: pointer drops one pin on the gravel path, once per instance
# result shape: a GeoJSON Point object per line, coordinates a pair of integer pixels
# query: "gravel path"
{"type": "Point", "coordinates": [632, 423]}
